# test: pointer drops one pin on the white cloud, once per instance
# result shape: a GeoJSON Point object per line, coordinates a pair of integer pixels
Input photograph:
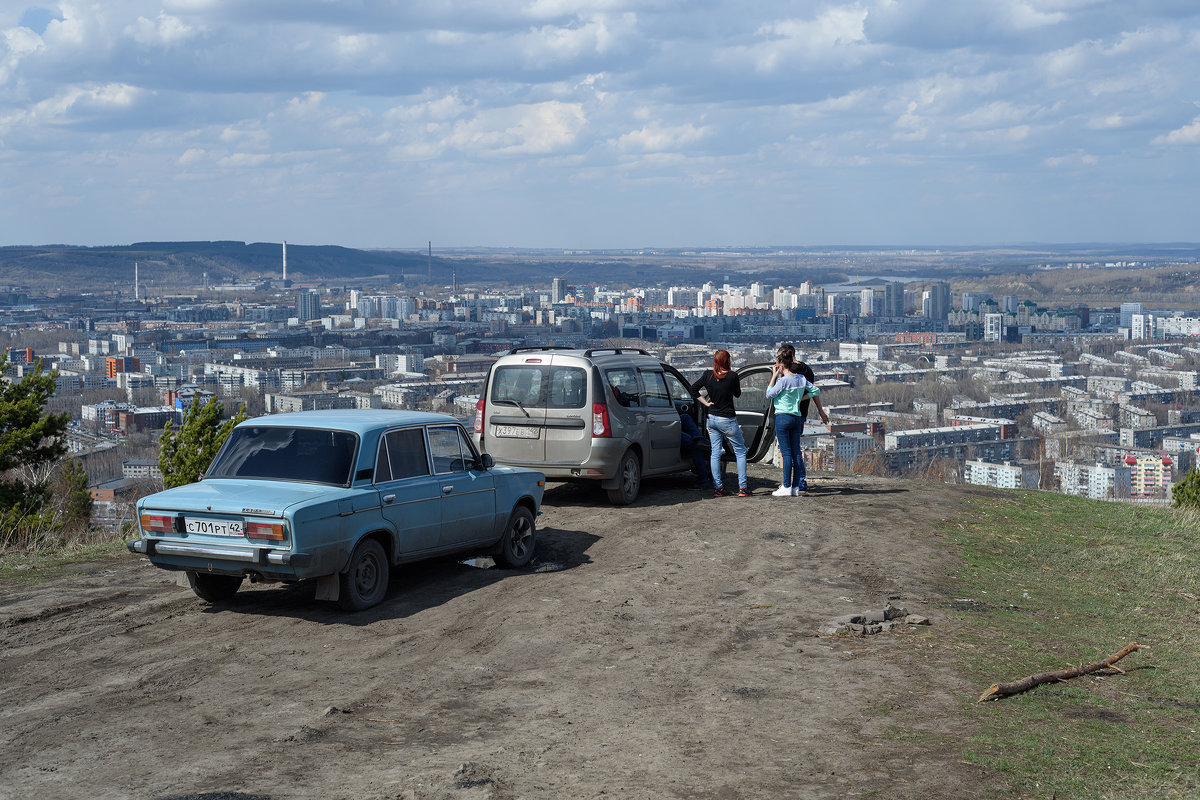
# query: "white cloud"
{"type": "Point", "coordinates": [1188, 134]}
{"type": "Point", "coordinates": [165, 30]}
{"type": "Point", "coordinates": [660, 138]}
{"type": "Point", "coordinates": [531, 129]}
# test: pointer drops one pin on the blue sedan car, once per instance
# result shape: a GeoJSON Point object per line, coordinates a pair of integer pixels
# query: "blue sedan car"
{"type": "Point", "coordinates": [342, 497]}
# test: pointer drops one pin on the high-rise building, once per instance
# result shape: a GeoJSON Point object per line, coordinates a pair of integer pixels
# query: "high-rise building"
{"type": "Point", "coordinates": [308, 305]}
{"type": "Point", "coordinates": [972, 300]}
{"type": "Point", "coordinates": [893, 299]}
{"type": "Point", "coordinates": [939, 301]}
{"type": "Point", "coordinates": [558, 290]}
{"type": "Point", "coordinates": [866, 303]}
{"type": "Point", "coordinates": [1127, 312]}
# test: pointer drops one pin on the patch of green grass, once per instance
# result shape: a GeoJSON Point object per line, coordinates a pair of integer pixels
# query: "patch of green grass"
{"type": "Point", "coordinates": [33, 566]}
{"type": "Point", "coordinates": [1059, 581]}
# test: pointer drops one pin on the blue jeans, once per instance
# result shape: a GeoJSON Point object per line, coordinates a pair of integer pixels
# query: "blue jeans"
{"type": "Point", "coordinates": [691, 437]}
{"type": "Point", "coordinates": [788, 429]}
{"type": "Point", "coordinates": [726, 429]}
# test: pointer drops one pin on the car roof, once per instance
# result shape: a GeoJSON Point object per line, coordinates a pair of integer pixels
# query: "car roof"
{"type": "Point", "coordinates": [350, 419]}
{"type": "Point", "coordinates": [593, 354]}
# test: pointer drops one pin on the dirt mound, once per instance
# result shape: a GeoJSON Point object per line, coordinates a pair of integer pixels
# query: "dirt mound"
{"type": "Point", "coordinates": [665, 649]}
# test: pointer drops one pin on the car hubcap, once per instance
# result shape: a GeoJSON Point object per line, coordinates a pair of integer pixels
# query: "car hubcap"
{"type": "Point", "coordinates": [520, 537]}
{"type": "Point", "coordinates": [367, 575]}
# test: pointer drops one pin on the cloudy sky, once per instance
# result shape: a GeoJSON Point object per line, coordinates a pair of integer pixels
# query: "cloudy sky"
{"type": "Point", "coordinates": [600, 123]}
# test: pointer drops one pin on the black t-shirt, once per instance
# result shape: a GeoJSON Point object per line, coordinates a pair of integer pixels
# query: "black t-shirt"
{"type": "Point", "coordinates": [720, 391]}
{"type": "Point", "coordinates": [807, 372]}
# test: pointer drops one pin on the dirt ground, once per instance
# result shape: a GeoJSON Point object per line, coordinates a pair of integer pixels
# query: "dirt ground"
{"type": "Point", "coordinates": [664, 650]}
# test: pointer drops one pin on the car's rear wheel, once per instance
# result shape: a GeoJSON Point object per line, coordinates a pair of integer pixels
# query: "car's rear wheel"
{"type": "Point", "coordinates": [629, 475]}
{"type": "Point", "coordinates": [365, 581]}
{"type": "Point", "coordinates": [214, 588]}
{"type": "Point", "coordinates": [520, 539]}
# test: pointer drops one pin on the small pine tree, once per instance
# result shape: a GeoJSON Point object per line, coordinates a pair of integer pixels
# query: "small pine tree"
{"type": "Point", "coordinates": [186, 453]}
{"type": "Point", "coordinates": [31, 440]}
{"type": "Point", "coordinates": [1186, 493]}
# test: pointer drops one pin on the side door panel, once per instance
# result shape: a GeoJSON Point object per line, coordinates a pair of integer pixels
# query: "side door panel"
{"type": "Point", "coordinates": [468, 493]}
{"type": "Point", "coordinates": [755, 413]}
{"type": "Point", "coordinates": [408, 495]}
{"type": "Point", "coordinates": [663, 454]}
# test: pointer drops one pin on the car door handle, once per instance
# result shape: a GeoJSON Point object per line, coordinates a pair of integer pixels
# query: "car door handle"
{"type": "Point", "coordinates": [387, 498]}
{"type": "Point", "coordinates": [447, 489]}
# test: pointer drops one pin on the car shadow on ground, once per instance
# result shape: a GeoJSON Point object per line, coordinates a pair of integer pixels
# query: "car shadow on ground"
{"type": "Point", "coordinates": [823, 490]}
{"type": "Point", "coordinates": [415, 587]}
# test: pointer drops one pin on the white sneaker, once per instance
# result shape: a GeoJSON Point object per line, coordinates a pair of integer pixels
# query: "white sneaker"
{"type": "Point", "coordinates": [782, 491]}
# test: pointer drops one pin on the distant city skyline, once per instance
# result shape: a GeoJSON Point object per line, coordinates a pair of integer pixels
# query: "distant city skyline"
{"type": "Point", "coordinates": [601, 123]}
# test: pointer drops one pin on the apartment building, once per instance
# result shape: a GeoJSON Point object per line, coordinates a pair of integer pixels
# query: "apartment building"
{"type": "Point", "coordinates": [1097, 481]}
{"type": "Point", "coordinates": [1001, 476]}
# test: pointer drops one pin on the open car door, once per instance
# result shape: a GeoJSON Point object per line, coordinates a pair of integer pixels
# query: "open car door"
{"type": "Point", "coordinates": [755, 413]}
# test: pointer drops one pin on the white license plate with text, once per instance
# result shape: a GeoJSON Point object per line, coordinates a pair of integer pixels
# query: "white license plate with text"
{"type": "Point", "coordinates": [214, 527]}
{"type": "Point", "coordinates": [516, 431]}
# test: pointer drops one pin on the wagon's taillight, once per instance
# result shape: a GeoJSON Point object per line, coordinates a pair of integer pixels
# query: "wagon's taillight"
{"type": "Point", "coordinates": [157, 523]}
{"type": "Point", "coordinates": [600, 426]}
{"type": "Point", "coordinates": [266, 530]}
{"type": "Point", "coordinates": [479, 416]}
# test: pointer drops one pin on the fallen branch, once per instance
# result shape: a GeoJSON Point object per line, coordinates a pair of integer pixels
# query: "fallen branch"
{"type": "Point", "coordinates": [998, 690]}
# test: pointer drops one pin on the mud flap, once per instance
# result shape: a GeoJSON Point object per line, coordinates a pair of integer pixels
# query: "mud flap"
{"type": "Point", "coordinates": [328, 587]}
{"type": "Point", "coordinates": [181, 579]}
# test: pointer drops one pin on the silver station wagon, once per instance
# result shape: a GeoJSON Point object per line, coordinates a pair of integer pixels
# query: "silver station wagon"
{"type": "Point", "coordinates": [342, 497]}
{"type": "Point", "coordinates": [609, 415]}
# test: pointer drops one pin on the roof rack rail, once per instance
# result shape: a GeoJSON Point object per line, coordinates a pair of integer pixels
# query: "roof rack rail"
{"type": "Point", "coordinates": [516, 350]}
{"type": "Point", "coordinates": [615, 351]}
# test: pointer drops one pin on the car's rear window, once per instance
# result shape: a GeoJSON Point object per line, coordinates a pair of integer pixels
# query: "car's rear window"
{"type": "Point", "coordinates": [288, 454]}
{"type": "Point", "coordinates": [539, 386]}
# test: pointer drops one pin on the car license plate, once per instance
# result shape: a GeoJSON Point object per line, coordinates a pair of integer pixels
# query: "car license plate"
{"type": "Point", "coordinates": [516, 431]}
{"type": "Point", "coordinates": [214, 527]}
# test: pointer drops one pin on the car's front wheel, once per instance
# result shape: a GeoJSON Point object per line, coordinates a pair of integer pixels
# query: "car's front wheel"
{"type": "Point", "coordinates": [520, 538]}
{"type": "Point", "coordinates": [214, 588]}
{"type": "Point", "coordinates": [365, 581]}
{"type": "Point", "coordinates": [629, 475]}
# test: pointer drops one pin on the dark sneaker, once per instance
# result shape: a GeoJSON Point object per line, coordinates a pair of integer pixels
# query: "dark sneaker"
{"type": "Point", "coordinates": [720, 492]}
{"type": "Point", "coordinates": [743, 492]}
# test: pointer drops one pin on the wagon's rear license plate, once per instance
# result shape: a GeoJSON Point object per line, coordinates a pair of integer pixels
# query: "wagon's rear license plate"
{"type": "Point", "coordinates": [516, 431]}
{"type": "Point", "coordinates": [214, 527]}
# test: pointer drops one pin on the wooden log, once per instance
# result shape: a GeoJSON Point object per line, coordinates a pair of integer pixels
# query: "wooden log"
{"type": "Point", "coordinates": [998, 690]}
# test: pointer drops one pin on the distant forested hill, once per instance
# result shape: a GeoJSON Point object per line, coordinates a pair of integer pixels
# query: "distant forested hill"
{"type": "Point", "coordinates": [168, 265]}
{"type": "Point", "coordinates": [185, 263]}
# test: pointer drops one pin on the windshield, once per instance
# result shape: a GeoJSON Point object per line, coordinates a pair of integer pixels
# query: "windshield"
{"type": "Point", "coordinates": [286, 454]}
{"type": "Point", "coordinates": [533, 386]}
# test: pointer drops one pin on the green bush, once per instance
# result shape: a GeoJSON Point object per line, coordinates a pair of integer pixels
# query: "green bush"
{"type": "Point", "coordinates": [1186, 493]}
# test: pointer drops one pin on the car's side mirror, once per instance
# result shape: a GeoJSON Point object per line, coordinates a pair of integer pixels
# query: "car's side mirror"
{"type": "Point", "coordinates": [486, 461]}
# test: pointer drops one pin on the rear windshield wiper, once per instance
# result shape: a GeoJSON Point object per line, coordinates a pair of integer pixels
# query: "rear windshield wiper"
{"type": "Point", "coordinates": [515, 403]}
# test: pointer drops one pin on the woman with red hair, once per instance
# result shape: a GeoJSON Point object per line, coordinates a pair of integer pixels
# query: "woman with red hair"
{"type": "Point", "coordinates": [722, 385]}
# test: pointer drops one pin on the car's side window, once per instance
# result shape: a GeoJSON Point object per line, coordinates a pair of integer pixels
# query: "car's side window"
{"type": "Point", "coordinates": [401, 455]}
{"type": "Point", "coordinates": [624, 383]}
{"type": "Point", "coordinates": [406, 454]}
{"type": "Point", "coordinates": [445, 445]}
{"type": "Point", "coordinates": [656, 390]}
{"type": "Point", "coordinates": [679, 393]}
{"type": "Point", "coordinates": [383, 470]}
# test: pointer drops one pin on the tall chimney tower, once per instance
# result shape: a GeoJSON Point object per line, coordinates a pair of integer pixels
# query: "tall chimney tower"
{"type": "Point", "coordinates": [285, 263]}
{"type": "Point", "coordinates": [136, 296]}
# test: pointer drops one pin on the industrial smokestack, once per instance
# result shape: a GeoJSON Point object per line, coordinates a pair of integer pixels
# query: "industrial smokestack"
{"type": "Point", "coordinates": [285, 263]}
{"type": "Point", "coordinates": [136, 296]}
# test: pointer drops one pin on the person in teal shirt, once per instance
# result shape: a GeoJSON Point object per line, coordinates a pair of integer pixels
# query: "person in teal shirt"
{"type": "Point", "coordinates": [790, 392]}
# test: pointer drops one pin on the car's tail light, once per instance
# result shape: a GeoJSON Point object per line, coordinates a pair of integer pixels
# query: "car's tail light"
{"type": "Point", "coordinates": [600, 426]}
{"type": "Point", "coordinates": [266, 530]}
{"type": "Point", "coordinates": [157, 523]}
{"type": "Point", "coordinates": [479, 416]}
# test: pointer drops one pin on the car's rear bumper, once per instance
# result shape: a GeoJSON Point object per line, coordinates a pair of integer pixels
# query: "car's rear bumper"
{"type": "Point", "coordinates": [602, 462]}
{"type": "Point", "coordinates": [181, 555]}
